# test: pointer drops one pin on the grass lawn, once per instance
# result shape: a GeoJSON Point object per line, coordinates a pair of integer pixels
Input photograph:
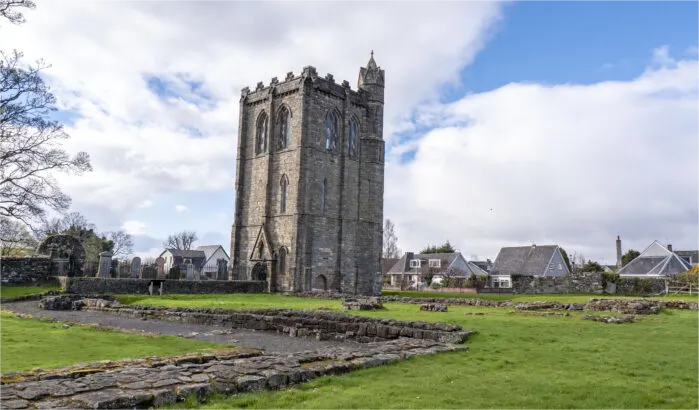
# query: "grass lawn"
{"type": "Point", "coordinates": [11, 291]}
{"type": "Point", "coordinates": [515, 361]}
{"type": "Point", "coordinates": [577, 298]}
{"type": "Point", "coordinates": [31, 343]}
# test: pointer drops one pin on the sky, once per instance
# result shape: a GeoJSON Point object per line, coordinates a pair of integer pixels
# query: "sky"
{"type": "Point", "coordinates": [506, 124]}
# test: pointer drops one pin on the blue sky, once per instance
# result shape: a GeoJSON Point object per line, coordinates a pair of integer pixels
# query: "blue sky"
{"type": "Point", "coordinates": [159, 107]}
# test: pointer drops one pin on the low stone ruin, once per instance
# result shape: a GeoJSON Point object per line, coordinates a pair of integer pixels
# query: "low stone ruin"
{"type": "Point", "coordinates": [609, 319]}
{"type": "Point", "coordinates": [322, 325]}
{"type": "Point", "coordinates": [155, 382]}
{"type": "Point", "coordinates": [625, 306]}
{"type": "Point", "coordinates": [433, 307]}
{"type": "Point", "coordinates": [371, 303]}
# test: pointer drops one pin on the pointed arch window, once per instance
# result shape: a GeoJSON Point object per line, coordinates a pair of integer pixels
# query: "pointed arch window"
{"type": "Point", "coordinates": [261, 250]}
{"type": "Point", "coordinates": [261, 142]}
{"type": "Point", "coordinates": [322, 196]}
{"type": "Point", "coordinates": [283, 185]}
{"type": "Point", "coordinates": [283, 128]}
{"type": "Point", "coordinates": [352, 136]}
{"type": "Point", "coordinates": [332, 123]}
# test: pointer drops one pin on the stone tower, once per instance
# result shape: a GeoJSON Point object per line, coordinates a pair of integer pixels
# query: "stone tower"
{"type": "Point", "coordinates": [309, 183]}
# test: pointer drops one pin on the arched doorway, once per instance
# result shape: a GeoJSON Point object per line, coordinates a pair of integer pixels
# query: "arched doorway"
{"type": "Point", "coordinates": [321, 283]}
{"type": "Point", "coordinates": [259, 272]}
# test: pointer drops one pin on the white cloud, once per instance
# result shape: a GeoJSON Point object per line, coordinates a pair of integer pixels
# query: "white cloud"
{"type": "Point", "coordinates": [146, 204]}
{"type": "Point", "coordinates": [140, 142]}
{"type": "Point", "coordinates": [135, 228]}
{"type": "Point", "coordinates": [568, 164]}
{"type": "Point", "coordinates": [181, 208]}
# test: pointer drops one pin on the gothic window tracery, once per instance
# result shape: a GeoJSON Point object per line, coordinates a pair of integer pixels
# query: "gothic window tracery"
{"type": "Point", "coordinates": [283, 128]}
{"type": "Point", "coordinates": [352, 136]}
{"type": "Point", "coordinates": [261, 142]}
{"type": "Point", "coordinates": [331, 131]}
{"type": "Point", "coordinates": [283, 187]}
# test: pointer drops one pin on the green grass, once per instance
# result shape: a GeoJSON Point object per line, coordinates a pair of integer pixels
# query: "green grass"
{"type": "Point", "coordinates": [31, 343]}
{"type": "Point", "coordinates": [231, 301]}
{"type": "Point", "coordinates": [12, 291]}
{"type": "Point", "coordinates": [515, 361]}
{"type": "Point", "coordinates": [577, 298]}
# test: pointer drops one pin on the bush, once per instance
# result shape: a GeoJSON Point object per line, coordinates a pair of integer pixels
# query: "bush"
{"type": "Point", "coordinates": [435, 285]}
{"type": "Point", "coordinates": [609, 277]}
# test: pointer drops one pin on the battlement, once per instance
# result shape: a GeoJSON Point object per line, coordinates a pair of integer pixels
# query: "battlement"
{"type": "Point", "coordinates": [292, 81]}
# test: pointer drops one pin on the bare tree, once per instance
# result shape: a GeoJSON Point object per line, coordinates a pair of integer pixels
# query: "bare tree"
{"type": "Point", "coordinates": [123, 243]}
{"type": "Point", "coordinates": [181, 240]}
{"type": "Point", "coordinates": [15, 238]}
{"type": "Point", "coordinates": [390, 241]}
{"type": "Point", "coordinates": [8, 9]}
{"type": "Point", "coordinates": [30, 149]}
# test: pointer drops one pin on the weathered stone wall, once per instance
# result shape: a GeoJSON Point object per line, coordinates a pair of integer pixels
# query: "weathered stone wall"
{"type": "Point", "coordinates": [140, 286]}
{"type": "Point", "coordinates": [298, 323]}
{"type": "Point", "coordinates": [589, 282]}
{"type": "Point", "coordinates": [586, 283]}
{"type": "Point", "coordinates": [25, 270]}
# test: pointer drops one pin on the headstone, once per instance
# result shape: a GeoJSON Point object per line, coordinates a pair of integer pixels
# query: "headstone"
{"type": "Point", "coordinates": [161, 288]}
{"type": "Point", "coordinates": [105, 264]}
{"type": "Point", "coordinates": [160, 261]}
{"type": "Point", "coordinates": [197, 274]}
{"type": "Point", "coordinates": [221, 269]}
{"type": "Point", "coordinates": [135, 267]}
{"type": "Point", "coordinates": [190, 271]}
{"type": "Point", "coordinates": [150, 288]}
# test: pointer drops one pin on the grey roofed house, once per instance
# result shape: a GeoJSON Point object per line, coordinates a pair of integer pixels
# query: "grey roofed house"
{"type": "Point", "coordinates": [387, 264]}
{"type": "Point", "coordinates": [175, 257]}
{"type": "Point", "coordinates": [440, 262]}
{"type": "Point", "coordinates": [656, 260]}
{"type": "Point", "coordinates": [535, 260]}
{"type": "Point", "coordinates": [486, 265]}
{"type": "Point", "coordinates": [212, 253]}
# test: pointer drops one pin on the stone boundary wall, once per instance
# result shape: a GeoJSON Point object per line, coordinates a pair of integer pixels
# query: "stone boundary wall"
{"type": "Point", "coordinates": [322, 325]}
{"type": "Point", "coordinates": [586, 283]}
{"type": "Point", "coordinates": [25, 270]}
{"type": "Point", "coordinates": [140, 286]}
{"type": "Point", "coordinates": [154, 382]}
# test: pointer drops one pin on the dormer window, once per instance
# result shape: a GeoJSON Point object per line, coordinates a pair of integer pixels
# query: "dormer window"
{"type": "Point", "coordinates": [415, 263]}
{"type": "Point", "coordinates": [435, 263]}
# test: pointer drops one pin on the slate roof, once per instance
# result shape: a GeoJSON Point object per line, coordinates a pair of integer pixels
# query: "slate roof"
{"type": "Point", "coordinates": [192, 254]}
{"type": "Point", "coordinates": [692, 254]}
{"type": "Point", "coordinates": [655, 260]}
{"type": "Point", "coordinates": [484, 265]}
{"type": "Point", "coordinates": [387, 264]}
{"type": "Point", "coordinates": [209, 250]}
{"type": "Point", "coordinates": [447, 259]}
{"type": "Point", "coordinates": [523, 260]}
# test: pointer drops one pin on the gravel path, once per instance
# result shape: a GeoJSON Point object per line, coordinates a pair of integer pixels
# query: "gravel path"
{"type": "Point", "coordinates": [270, 342]}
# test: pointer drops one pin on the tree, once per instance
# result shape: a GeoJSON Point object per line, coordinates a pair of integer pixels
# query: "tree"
{"type": "Point", "coordinates": [15, 238]}
{"type": "Point", "coordinates": [123, 243]}
{"type": "Point", "coordinates": [630, 255]}
{"type": "Point", "coordinates": [592, 266]}
{"type": "Point", "coordinates": [181, 240]}
{"type": "Point", "coordinates": [76, 225]}
{"type": "Point", "coordinates": [564, 254]}
{"type": "Point", "coordinates": [30, 149]}
{"type": "Point", "coordinates": [390, 241]}
{"type": "Point", "coordinates": [8, 9]}
{"type": "Point", "coordinates": [445, 248]}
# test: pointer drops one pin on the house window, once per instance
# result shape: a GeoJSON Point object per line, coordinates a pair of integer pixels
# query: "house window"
{"type": "Point", "coordinates": [435, 263]}
{"type": "Point", "coordinates": [352, 139]}
{"type": "Point", "coordinates": [331, 128]}
{"type": "Point", "coordinates": [282, 203]}
{"type": "Point", "coordinates": [261, 144]}
{"type": "Point", "coordinates": [560, 266]}
{"type": "Point", "coordinates": [283, 128]}
{"type": "Point", "coordinates": [551, 267]}
{"type": "Point", "coordinates": [322, 196]}
{"type": "Point", "coordinates": [415, 263]}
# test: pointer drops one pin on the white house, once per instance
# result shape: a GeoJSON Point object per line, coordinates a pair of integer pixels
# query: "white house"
{"type": "Point", "coordinates": [212, 253]}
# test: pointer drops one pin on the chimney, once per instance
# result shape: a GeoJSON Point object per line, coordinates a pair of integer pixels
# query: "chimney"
{"type": "Point", "coordinates": [408, 257]}
{"type": "Point", "coordinates": [618, 252]}
{"type": "Point", "coordinates": [669, 247]}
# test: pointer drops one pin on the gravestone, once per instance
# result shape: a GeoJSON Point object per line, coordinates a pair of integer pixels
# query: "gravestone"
{"type": "Point", "coordinates": [135, 267]}
{"type": "Point", "coordinates": [160, 261]}
{"type": "Point", "coordinates": [197, 274]}
{"type": "Point", "coordinates": [222, 269]}
{"type": "Point", "coordinates": [150, 288]}
{"type": "Point", "coordinates": [105, 264]}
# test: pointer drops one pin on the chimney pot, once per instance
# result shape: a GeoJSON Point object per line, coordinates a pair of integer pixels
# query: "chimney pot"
{"type": "Point", "coordinates": [669, 247]}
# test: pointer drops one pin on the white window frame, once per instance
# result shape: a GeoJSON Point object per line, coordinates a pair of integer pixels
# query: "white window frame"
{"type": "Point", "coordinates": [415, 263]}
{"type": "Point", "coordinates": [435, 263]}
{"type": "Point", "coordinates": [560, 266]}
